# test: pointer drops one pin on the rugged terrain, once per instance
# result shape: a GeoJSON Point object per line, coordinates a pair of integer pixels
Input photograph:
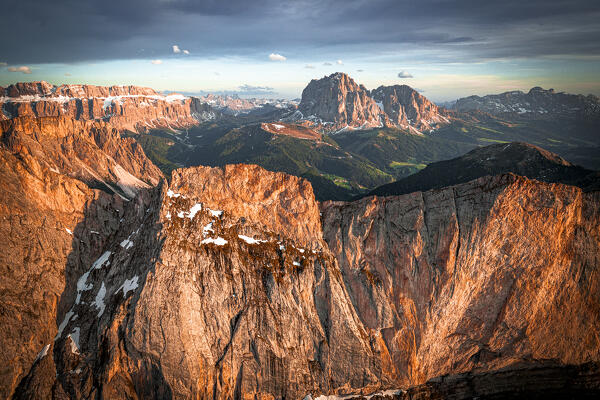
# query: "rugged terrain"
{"type": "Point", "coordinates": [535, 103]}
{"type": "Point", "coordinates": [408, 109]}
{"type": "Point", "coordinates": [125, 107]}
{"type": "Point", "coordinates": [235, 282]}
{"type": "Point", "coordinates": [519, 158]}
{"type": "Point", "coordinates": [336, 103]}
{"type": "Point", "coordinates": [230, 283]}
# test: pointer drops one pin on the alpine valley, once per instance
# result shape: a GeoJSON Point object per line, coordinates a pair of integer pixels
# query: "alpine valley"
{"type": "Point", "coordinates": [356, 243]}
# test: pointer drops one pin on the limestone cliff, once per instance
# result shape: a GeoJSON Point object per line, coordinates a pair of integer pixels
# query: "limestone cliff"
{"type": "Point", "coordinates": [130, 108]}
{"type": "Point", "coordinates": [229, 284]}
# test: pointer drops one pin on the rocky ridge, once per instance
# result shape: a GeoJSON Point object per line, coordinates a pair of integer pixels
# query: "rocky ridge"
{"type": "Point", "coordinates": [337, 103]}
{"type": "Point", "coordinates": [228, 283]}
{"type": "Point", "coordinates": [407, 108]}
{"type": "Point", "coordinates": [519, 158]}
{"type": "Point", "coordinates": [130, 108]}
{"type": "Point", "coordinates": [536, 103]}
{"type": "Point", "coordinates": [65, 187]}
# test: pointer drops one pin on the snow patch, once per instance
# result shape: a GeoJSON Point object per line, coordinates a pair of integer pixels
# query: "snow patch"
{"type": "Point", "coordinates": [194, 210]}
{"type": "Point", "coordinates": [99, 301]}
{"type": "Point", "coordinates": [251, 240]}
{"type": "Point", "coordinates": [219, 241]}
{"type": "Point", "coordinates": [171, 193]}
{"type": "Point", "coordinates": [215, 213]}
{"type": "Point", "coordinates": [277, 126]}
{"type": "Point", "coordinates": [127, 244]}
{"type": "Point", "coordinates": [64, 323]}
{"type": "Point", "coordinates": [74, 340]}
{"type": "Point", "coordinates": [101, 260]}
{"type": "Point", "coordinates": [208, 228]}
{"type": "Point", "coordinates": [129, 285]}
{"type": "Point", "coordinates": [70, 232]}
{"type": "Point", "coordinates": [43, 353]}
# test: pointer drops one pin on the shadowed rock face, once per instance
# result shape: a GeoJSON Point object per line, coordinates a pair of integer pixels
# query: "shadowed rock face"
{"type": "Point", "coordinates": [229, 283]}
{"type": "Point", "coordinates": [125, 107]}
{"type": "Point", "coordinates": [53, 224]}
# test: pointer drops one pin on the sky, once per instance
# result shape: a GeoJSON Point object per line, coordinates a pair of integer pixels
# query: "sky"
{"type": "Point", "coordinates": [268, 48]}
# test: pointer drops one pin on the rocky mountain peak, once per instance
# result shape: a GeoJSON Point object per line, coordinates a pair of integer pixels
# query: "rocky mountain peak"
{"type": "Point", "coordinates": [337, 101]}
{"type": "Point", "coordinates": [282, 203]}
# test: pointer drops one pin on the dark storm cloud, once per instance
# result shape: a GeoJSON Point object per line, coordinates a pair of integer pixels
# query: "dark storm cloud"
{"type": "Point", "coordinates": [37, 31]}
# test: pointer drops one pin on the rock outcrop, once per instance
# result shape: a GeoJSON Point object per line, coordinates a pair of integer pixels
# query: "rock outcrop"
{"type": "Point", "coordinates": [90, 151]}
{"type": "Point", "coordinates": [407, 108]}
{"type": "Point", "coordinates": [337, 103]}
{"type": "Point", "coordinates": [476, 276]}
{"type": "Point", "coordinates": [130, 108]}
{"type": "Point", "coordinates": [53, 222]}
{"type": "Point", "coordinates": [230, 284]}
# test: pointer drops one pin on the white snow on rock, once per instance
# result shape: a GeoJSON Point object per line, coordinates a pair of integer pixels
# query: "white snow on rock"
{"type": "Point", "coordinates": [70, 232]}
{"type": "Point", "coordinates": [168, 216]}
{"type": "Point", "coordinates": [99, 301]}
{"type": "Point", "coordinates": [127, 244]}
{"type": "Point", "coordinates": [215, 213]}
{"type": "Point", "coordinates": [129, 285]}
{"type": "Point", "coordinates": [194, 210]}
{"type": "Point", "coordinates": [208, 228]}
{"type": "Point", "coordinates": [101, 260]}
{"type": "Point", "coordinates": [251, 240]}
{"type": "Point", "coordinates": [219, 241]}
{"type": "Point", "coordinates": [296, 263]}
{"type": "Point", "coordinates": [43, 353]}
{"type": "Point", "coordinates": [171, 193]}
{"type": "Point", "coordinates": [82, 281]}
{"type": "Point", "coordinates": [74, 340]}
{"type": "Point", "coordinates": [181, 214]}
{"type": "Point", "coordinates": [277, 126]}
{"type": "Point", "coordinates": [64, 323]}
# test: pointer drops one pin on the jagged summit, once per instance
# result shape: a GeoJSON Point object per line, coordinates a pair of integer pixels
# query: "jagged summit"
{"type": "Point", "coordinates": [406, 107]}
{"type": "Point", "coordinates": [336, 103]}
{"type": "Point", "coordinates": [518, 158]}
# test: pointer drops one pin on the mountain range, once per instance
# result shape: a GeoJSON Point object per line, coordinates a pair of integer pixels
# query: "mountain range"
{"type": "Point", "coordinates": [146, 255]}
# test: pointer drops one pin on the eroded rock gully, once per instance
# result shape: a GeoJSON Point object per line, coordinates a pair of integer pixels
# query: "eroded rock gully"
{"type": "Point", "coordinates": [229, 284]}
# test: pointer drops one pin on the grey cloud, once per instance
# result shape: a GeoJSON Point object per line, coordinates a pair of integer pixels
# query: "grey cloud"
{"type": "Point", "coordinates": [404, 74]}
{"type": "Point", "coordinates": [465, 30]}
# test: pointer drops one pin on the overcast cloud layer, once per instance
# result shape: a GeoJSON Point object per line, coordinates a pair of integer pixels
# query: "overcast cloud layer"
{"type": "Point", "coordinates": [69, 31]}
